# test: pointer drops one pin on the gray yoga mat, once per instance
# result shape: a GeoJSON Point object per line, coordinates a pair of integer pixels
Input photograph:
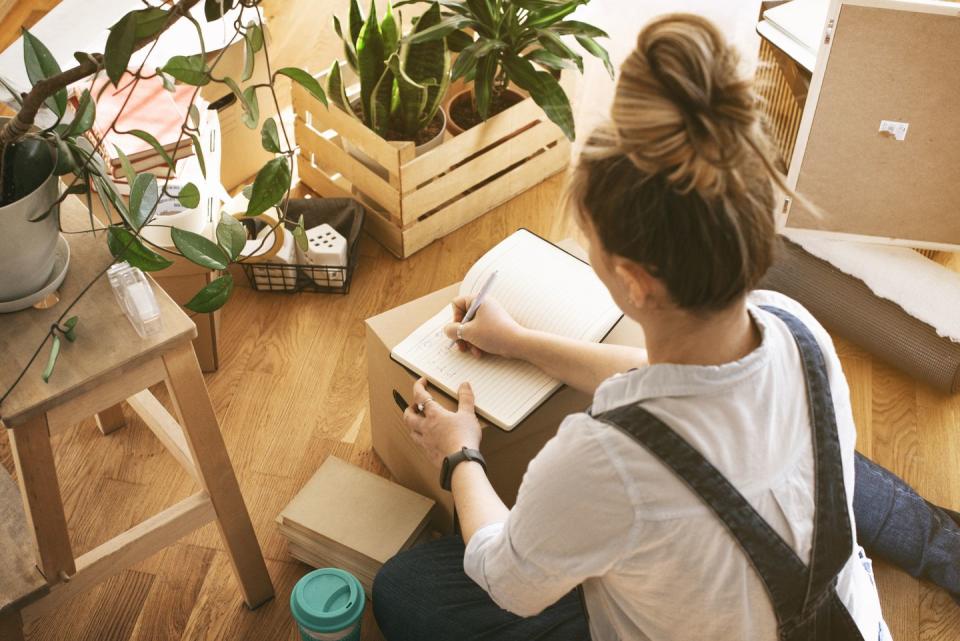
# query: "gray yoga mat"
{"type": "Point", "coordinates": [845, 305]}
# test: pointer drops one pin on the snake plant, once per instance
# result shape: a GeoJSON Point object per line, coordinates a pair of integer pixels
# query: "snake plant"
{"type": "Point", "coordinates": [401, 83]}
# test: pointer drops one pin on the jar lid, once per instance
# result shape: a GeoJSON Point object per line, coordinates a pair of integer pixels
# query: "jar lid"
{"type": "Point", "coordinates": [327, 600]}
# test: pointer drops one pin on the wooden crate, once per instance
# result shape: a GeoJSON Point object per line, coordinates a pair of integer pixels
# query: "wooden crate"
{"type": "Point", "coordinates": [415, 200]}
{"type": "Point", "coordinates": [782, 85]}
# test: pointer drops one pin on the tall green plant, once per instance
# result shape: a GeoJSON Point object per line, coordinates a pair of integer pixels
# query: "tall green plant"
{"type": "Point", "coordinates": [401, 83]}
{"type": "Point", "coordinates": [519, 41]}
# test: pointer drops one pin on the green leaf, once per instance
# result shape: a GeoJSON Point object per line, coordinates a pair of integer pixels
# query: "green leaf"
{"type": "Point", "coordinates": [214, 9]}
{"type": "Point", "coordinates": [198, 150]}
{"type": "Point", "coordinates": [194, 115]}
{"type": "Point", "coordinates": [549, 15]}
{"type": "Point", "coordinates": [189, 196]}
{"type": "Point", "coordinates": [577, 28]}
{"type": "Point", "coordinates": [191, 70]}
{"type": "Point", "coordinates": [83, 119]}
{"type": "Point", "coordinates": [167, 81]}
{"type": "Point", "coordinates": [270, 186]}
{"type": "Point", "coordinates": [70, 328]}
{"type": "Point", "coordinates": [338, 93]}
{"type": "Point", "coordinates": [149, 22]}
{"type": "Point", "coordinates": [78, 189]}
{"type": "Point", "coordinates": [593, 48]}
{"type": "Point", "coordinates": [549, 60]}
{"type": "Point", "coordinates": [300, 235]}
{"type": "Point", "coordinates": [545, 91]}
{"type": "Point", "coordinates": [381, 102]}
{"type": "Point", "coordinates": [232, 235]}
{"type": "Point", "coordinates": [255, 35]}
{"type": "Point", "coordinates": [269, 137]}
{"type": "Point", "coordinates": [150, 140]}
{"type": "Point", "coordinates": [198, 249]}
{"type": "Point", "coordinates": [128, 170]}
{"type": "Point", "coordinates": [40, 65]}
{"type": "Point", "coordinates": [65, 160]}
{"type": "Point", "coordinates": [213, 296]}
{"type": "Point", "coordinates": [457, 41]}
{"type": "Point", "coordinates": [355, 21]}
{"type": "Point", "coordinates": [306, 81]}
{"type": "Point", "coordinates": [251, 111]}
{"type": "Point", "coordinates": [349, 49]}
{"type": "Point", "coordinates": [125, 246]}
{"type": "Point", "coordinates": [370, 61]}
{"type": "Point", "coordinates": [10, 90]}
{"type": "Point", "coordinates": [108, 190]}
{"type": "Point", "coordinates": [464, 64]}
{"type": "Point", "coordinates": [51, 360]}
{"type": "Point", "coordinates": [390, 31]}
{"type": "Point", "coordinates": [440, 30]}
{"type": "Point", "coordinates": [119, 48]}
{"type": "Point", "coordinates": [144, 194]}
{"type": "Point", "coordinates": [253, 42]}
{"type": "Point", "coordinates": [555, 45]}
{"type": "Point", "coordinates": [426, 64]}
{"type": "Point", "coordinates": [483, 85]}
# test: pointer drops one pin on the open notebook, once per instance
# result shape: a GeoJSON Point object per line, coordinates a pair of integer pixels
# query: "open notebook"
{"type": "Point", "coordinates": [543, 287]}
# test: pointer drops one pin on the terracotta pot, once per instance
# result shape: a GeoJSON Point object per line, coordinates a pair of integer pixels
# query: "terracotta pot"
{"type": "Point", "coordinates": [28, 249]}
{"type": "Point", "coordinates": [466, 94]}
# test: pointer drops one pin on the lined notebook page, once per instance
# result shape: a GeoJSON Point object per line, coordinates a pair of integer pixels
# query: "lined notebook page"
{"type": "Point", "coordinates": [543, 288]}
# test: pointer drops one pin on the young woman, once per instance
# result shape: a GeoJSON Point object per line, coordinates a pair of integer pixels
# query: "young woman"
{"type": "Point", "coordinates": [708, 493]}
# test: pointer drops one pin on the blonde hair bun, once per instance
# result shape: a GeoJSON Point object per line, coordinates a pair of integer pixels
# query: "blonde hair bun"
{"type": "Point", "coordinates": [682, 110]}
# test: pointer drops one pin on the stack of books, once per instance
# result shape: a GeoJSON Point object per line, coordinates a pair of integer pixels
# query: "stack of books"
{"type": "Point", "coordinates": [352, 519]}
{"type": "Point", "coordinates": [145, 107]}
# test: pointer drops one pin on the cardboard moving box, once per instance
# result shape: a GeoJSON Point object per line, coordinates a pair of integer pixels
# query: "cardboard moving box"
{"type": "Point", "coordinates": [507, 453]}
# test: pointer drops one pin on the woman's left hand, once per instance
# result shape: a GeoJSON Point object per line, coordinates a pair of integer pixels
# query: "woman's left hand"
{"type": "Point", "coordinates": [439, 431]}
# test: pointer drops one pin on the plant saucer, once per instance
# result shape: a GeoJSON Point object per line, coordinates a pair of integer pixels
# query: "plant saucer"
{"type": "Point", "coordinates": [60, 264]}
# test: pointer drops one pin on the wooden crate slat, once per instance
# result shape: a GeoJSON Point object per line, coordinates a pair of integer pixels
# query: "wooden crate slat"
{"type": "Point", "coordinates": [359, 175]}
{"type": "Point", "coordinates": [386, 232]}
{"type": "Point", "coordinates": [355, 131]}
{"type": "Point", "coordinates": [484, 199]}
{"type": "Point", "coordinates": [476, 170]}
{"type": "Point", "coordinates": [429, 165]}
{"type": "Point", "coordinates": [319, 182]}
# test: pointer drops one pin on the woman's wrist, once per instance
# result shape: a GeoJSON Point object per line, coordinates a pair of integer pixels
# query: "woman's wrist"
{"type": "Point", "coordinates": [519, 346]}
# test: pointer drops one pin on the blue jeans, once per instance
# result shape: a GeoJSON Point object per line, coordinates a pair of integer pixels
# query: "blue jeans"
{"type": "Point", "coordinates": [423, 594]}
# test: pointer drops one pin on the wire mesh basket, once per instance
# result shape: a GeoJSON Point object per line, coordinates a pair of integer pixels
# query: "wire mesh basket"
{"type": "Point", "coordinates": [329, 279]}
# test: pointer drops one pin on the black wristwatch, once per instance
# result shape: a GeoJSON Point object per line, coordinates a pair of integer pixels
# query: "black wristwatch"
{"type": "Point", "coordinates": [452, 461]}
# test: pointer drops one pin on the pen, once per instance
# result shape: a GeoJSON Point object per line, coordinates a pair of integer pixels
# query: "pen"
{"type": "Point", "coordinates": [475, 305]}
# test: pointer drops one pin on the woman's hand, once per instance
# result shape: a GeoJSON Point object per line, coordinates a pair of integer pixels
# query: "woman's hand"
{"type": "Point", "coordinates": [492, 330]}
{"type": "Point", "coordinates": [439, 431]}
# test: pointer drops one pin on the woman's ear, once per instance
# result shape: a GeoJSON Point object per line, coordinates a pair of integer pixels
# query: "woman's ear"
{"type": "Point", "coordinates": [635, 280]}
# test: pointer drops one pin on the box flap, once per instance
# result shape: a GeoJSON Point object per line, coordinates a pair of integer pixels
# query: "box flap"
{"type": "Point", "coordinates": [878, 136]}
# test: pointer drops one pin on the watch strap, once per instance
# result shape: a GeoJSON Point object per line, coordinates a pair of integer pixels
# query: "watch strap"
{"type": "Point", "coordinates": [453, 460]}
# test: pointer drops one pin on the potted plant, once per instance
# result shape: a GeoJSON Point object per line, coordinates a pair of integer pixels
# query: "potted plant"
{"type": "Point", "coordinates": [401, 84]}
{"type": "Point", "coordinates": [519, 42]}
{"type": "Point", "coordinates": [32, 158]}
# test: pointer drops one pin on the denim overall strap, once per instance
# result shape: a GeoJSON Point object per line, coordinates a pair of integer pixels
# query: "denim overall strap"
{"type": "Point", "coordinates": [804, 599]}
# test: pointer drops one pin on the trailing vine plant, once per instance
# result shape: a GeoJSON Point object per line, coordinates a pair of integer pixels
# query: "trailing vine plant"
{"type": "Point", "coordinates": [80, 153]}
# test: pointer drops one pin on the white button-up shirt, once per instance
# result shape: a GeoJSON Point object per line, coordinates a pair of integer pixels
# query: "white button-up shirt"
{"type": "Point", "coordinates": [595, 507]}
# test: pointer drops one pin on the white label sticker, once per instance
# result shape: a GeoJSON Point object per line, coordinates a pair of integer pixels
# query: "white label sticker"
{"type": "Point", "coordinates": [896, 129]}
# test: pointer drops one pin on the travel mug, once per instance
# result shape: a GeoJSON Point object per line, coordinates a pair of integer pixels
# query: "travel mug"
{"type": "Point", "coordinates": [327, 605]}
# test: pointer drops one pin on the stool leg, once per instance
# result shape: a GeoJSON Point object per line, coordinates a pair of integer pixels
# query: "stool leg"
{"type": "Point", "coordinates": [111, 419]}
{"type": "Point", "coordinates": [40, 490]}
{"type": "Point", "coordinates": [216, 473]}
{"type": "Point", "coordinates": [11, 626]}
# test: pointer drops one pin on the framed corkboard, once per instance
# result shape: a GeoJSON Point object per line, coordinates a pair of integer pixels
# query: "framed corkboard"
{"type": "Point", "coordinates": [883, 64]}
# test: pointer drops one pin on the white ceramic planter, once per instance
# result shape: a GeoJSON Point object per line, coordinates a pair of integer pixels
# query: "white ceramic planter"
{"type": "Point", "coordinates": [28, 249]}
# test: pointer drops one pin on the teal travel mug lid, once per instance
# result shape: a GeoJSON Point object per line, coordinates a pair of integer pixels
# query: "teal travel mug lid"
{"type": "Point", "coordinates": [327, 600]}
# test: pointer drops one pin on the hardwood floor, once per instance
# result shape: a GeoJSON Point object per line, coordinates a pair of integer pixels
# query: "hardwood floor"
{"type": "Point", "coordinates": [292, 389]}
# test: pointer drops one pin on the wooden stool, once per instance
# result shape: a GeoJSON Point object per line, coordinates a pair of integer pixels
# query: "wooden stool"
{"type": "Point", "coordinates": [109, 363]}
